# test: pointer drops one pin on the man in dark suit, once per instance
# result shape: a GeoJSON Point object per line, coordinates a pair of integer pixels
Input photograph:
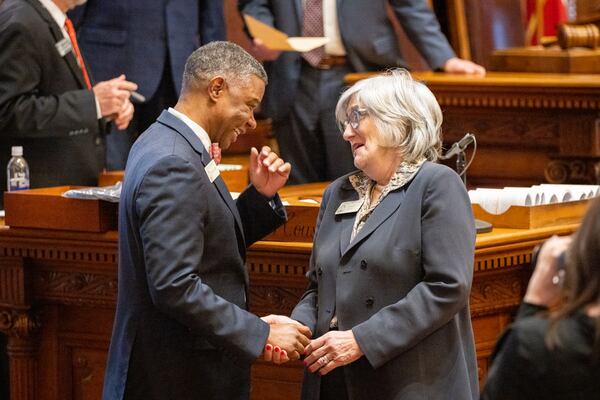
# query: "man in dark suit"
{"type": "Point", "coordinates": [182, 329]}
{"type": "Point", "coordinates": [148, 41]}
{"type": "Point", "coordinates": [47, 102]}
{"type": "Point", "coordinates": [305, 87]}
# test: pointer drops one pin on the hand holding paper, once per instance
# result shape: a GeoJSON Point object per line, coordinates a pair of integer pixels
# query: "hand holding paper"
{"type": "Point", "coordinates": [277, 40]}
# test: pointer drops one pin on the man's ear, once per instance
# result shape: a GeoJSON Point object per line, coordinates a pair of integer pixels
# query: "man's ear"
{"type": "Point", "coordinates": [216, 87]}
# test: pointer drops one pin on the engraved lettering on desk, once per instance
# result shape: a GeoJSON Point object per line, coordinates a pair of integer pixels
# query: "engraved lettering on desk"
{"type": "Point", "coordinates": [297, 230]}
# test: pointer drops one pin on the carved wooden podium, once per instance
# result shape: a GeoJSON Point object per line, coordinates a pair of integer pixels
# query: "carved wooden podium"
{"type": "Point", "coordinates": [58, 293]}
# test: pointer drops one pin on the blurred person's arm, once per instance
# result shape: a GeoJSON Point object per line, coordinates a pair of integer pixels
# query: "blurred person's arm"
{"type": "Point", "coordinates": [423, 29]}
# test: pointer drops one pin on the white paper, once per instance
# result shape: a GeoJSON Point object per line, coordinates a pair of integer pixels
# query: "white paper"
{"type": "Point", "coordinates": [277, 40]}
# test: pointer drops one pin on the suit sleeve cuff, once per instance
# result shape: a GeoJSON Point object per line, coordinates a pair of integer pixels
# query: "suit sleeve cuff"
{"type": "Point", "coordinates": [98, 109]}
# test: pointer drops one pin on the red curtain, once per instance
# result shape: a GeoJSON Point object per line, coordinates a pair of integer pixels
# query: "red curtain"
{"type": "Point", "coordinates": [554, 13]}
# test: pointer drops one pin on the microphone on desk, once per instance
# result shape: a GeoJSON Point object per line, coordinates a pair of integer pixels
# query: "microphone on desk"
{"type": "Point", "coordinates": [459, 146]}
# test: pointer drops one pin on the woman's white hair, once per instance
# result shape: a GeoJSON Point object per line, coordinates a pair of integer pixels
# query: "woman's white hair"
{"type": "Point", "coordinates": [405, 112]}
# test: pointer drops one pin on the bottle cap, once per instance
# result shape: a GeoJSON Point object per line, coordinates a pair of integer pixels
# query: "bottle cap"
{"type": "Point", "coordinates": [16, 151]}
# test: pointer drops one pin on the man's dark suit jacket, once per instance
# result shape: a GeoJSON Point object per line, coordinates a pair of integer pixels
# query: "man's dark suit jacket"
{"type": "Point", "coordinates": [137, 37]}
{"type": "Point", "coordinates": [44, 104]}
{"type": "Point", "coordinates": [366, 32]}
{"type": "Point", "coordinates": [181, 329]}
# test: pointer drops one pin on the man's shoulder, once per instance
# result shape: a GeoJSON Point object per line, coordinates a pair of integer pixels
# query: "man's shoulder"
{"type": "Point", "coordinates": [19, 12]}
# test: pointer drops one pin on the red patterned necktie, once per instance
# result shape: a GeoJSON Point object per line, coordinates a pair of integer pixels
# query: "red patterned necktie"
{"type": "Point", "coordinates": [215, 153]}
{"type": "Point", "coordinates": [71, 32]}
{"type": "Point", "coordinates": [312, 26]}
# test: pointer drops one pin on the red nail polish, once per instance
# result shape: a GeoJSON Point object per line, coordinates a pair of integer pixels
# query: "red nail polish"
{"type": "Point", "coordinates": [277, 349]}
{"type": "Point", "coordinates": [268, 347]}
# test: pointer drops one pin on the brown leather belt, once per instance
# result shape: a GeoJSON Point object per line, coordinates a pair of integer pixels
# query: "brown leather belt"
{"type": "Point", "coordinates": [331, 61]}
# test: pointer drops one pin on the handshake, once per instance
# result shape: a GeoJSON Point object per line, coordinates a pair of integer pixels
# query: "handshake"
{"type": "Point", "coordinates": [287, 339]}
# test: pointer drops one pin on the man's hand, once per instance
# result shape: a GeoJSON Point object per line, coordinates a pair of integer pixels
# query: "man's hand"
{"type": "Point", "coordinates": [124, 116]}
{"type": "Point", "coordinates": [332, 350]}
{"type": "Point", "coordinates": [268, 172]}
{"type": "Point", "coordinates": [290, 338]}
{"type": "Point", "coordinates": [457, 65]}
{"type": "Point", "coordinates": [112, 95]}
{"type": "Point", "coordinates": [263, 53]}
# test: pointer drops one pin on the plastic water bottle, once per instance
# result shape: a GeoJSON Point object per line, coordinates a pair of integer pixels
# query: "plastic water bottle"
{"type": "Point", "coordinates": [17, 171]}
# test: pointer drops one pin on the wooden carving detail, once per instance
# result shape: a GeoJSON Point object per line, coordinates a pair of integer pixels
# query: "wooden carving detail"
{"type": "Point", "coordinates": [573, 171]}
{"type": "Point", "coordinates": [497, 293]}
{"type": "Point", "coordinates": [101, 255]}
{"type": "Point", "coordinates": [79, 288]}
{"type": "Point", "coordinates": [271, 299]}
{"type": "Point", "coordinates": [19, 324]}
{"type": "Point", "coordinates": [518, 100]}
{"type": "Point", "coordinates": [507, 128]}
{"type": "Point", "coordinates": [12, 281]}
{"type": "Point", "coordinates": [506, 259]}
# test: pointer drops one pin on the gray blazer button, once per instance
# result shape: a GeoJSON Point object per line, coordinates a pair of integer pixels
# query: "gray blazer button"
{"type": "Point", "coordinates": [363, 264]}
{"type": "Point", "coordinates": [369, 302]}
{"type": "Point", "coordinates": [319, 271]}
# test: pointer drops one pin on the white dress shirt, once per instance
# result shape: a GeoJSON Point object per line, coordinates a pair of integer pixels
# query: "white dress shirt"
{"type": "Point", "coordinates": [331, 29]}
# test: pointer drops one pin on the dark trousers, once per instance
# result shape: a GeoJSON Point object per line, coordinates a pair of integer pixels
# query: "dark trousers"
{"type": "Point", "coordinates": [309, 137]}
{"type": "Point", "coordinates": [118, 142]}
{"type": "Point", "coordinates": [333, 385]}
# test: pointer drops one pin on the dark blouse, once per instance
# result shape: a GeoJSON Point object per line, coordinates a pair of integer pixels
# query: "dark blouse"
{"type": "Point", "coordinates": [524, 368]}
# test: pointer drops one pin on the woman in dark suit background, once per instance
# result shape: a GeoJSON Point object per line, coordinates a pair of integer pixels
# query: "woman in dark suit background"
{"type": "Point", "coordinates": [392, 262]}
{"type": "Point", "coordinates": [555, 354]}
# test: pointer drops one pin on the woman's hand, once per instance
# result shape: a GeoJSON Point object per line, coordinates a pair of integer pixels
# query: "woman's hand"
{"type": "Point", "coordinates": [544, 286]}
{"type": "Point", "coordinates": [332, 350]}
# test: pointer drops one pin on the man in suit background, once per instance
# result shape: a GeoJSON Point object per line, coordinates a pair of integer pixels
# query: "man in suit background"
{"type": "Point", "coordinates": [149, 42]}
{"type": "Point", "coordinates": [305, 87]}
{"type": "Point", "coordinates": [47, 102]}
{"type": "Point", "coordinates": [182, 327]}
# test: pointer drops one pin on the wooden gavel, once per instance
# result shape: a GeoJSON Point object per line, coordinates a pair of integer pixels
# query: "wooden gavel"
{"type": "Point", "coordinates": [571, 35]}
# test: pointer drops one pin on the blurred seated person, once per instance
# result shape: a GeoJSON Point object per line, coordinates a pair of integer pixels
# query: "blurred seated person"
{"type": "Point", "coordinates": [48, 101]}
{"type": "Point", "coordinates": [552, 350]}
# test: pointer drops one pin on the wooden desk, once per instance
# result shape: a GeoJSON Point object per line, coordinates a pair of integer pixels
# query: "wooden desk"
{"type": "Point", "coordinates": [530, 128]}
{"type": "Point", "coordinates": [58, 292]}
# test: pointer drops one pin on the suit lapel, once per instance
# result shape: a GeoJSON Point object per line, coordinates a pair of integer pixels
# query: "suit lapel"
{"type": "Point", "coordinates": [382, 212]}
{"type": "Point", "coordinates": [180, 127]}
{"type": "Point", "coordinates": [57, 34]}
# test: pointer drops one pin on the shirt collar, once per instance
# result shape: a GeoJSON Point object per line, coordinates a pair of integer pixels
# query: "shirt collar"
{"type": "Point", "coordinates": [404, 173]}
{"type": "Point", "coordinates": [56, 13]}
{"type": "Point", "coordinates": [197, 129]}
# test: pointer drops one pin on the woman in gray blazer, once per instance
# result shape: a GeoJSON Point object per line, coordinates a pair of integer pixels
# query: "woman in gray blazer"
{"type": "Point", "coordinates": [392, 262]}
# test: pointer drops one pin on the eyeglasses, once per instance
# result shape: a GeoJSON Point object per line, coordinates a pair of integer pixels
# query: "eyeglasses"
{"type": "Point", "coordinates": [354, 117]}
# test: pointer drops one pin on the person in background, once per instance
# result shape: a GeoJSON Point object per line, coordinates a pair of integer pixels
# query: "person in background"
{"type": "Point", "coordinates": [552, 350]}
{"type": "Point", "coordinates": [49, 103]}
{"type": "Point", "coordinates": [392, 262]}
{"type": "Point", "coordinates": [149, 42]}
{"type": "Point", "coordinates": [305, 87]}
{"type": "Point", "coordinates": [182, 328]}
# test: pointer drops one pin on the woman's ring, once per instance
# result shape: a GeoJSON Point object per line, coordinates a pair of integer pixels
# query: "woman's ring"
{"type": "Point", "coordinates": [323, 360]}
